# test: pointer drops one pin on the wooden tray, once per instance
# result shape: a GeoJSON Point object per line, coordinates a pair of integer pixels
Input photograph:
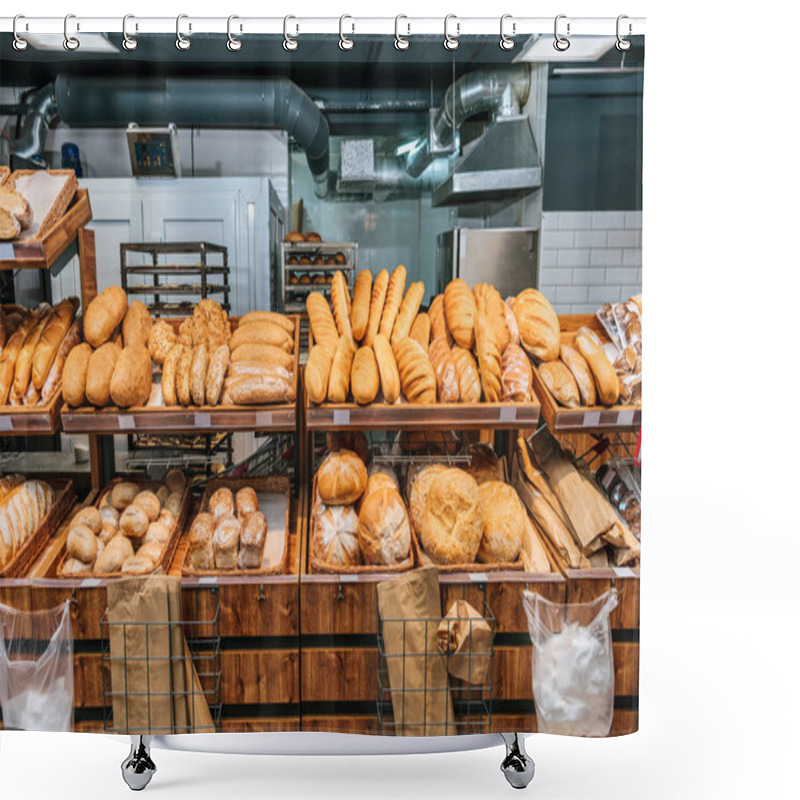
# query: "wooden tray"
{"type": "Point", "coordinates": [277, 484]}
{"type": "Point", "coordinates": [22, 561]}
{"type": "Point", "coordinates": [60, 204]}
{"type": "Point", "coordinates": [27, 420]}
{"type": "Point", "coordinates": [584, 418]}
{"type": "Point", "coordinates": [169, 548]}
{"type": "Point", "coordinates": [189, 419]}
{"type": "Point", "coordinates": [415, 416]}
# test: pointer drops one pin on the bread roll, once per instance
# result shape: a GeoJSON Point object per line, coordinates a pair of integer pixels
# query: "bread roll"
{"type": "Point", "coordinates": [408, 311]}
{"type": "Point", "coordinates": [341, 478]}
{"type": "Point", "coordinates": [82, 544]}
{"type": "Point", "coordinates": [489, 358]}
{"type": "Point", "coordinates": [132, 378]}
{"type": "Point", "coordinates": [122, 494]}
{"type": "Point", "coordinates": [252, 539]}
{"type": "Point", "coordinates": [73, 379]}
{"type": "Point", "coordinates": [136, 325]}
{"type": "Point", "coordinates": [504, 519]}
{"type": "Point", "coordinates": [339, 381]}
{"type": "Point", "coordinates": [577, 365]}
{"type": "Point", "coordinates": [384, 535]}
{"type": "Point", "coordinates": [273, 385]}
{"type": "Point", "coordinates": [317, 373]}
{"type": "Point", "coordinates": [359, 314]}
{"type": "Point", "coordinates": [558, 379]}
{"type": "Point", "coordinates": [418, 493]}
{"type": "Point", "coordinates": [197, 376]}
{"type": "Point", "coordinates": [416, 373]}
{"type": "Point", "coordinates": [50, 340]}
{"type": "Point", "coordinates": [394, 296]}
{"type": "Point", "coordinates": [162, 493]}
{"type": "Point", "coordinates": [321, 322]}
{"type": "Point", "coordinates": [459, 313]}
{"type": "Point", "coordinates": [151, 551]}
{"type": "Point", "coordinates": [489, 302]}
{"type": "Point", "coordinates": [387, 368]}
{"type": "Point", "coordinates": [262, 333]}
{"type": "Point", "coordinates": [221, 503]}
{"type": "Point", "coordinates": [99, 373]}
{"type": "Point", "coordinates": [517, 375]}
{"type": "Point", "coordinates": [273, 317]}
{"type": "Point", "coordinates": [246, 503]}
{"type": "Point", "coordinates": [421, 330]}
{"type": "Point", "coordinates": [201, 542]}
{"type": "Point", "coordinates": [452, 527]}
{"type": "Point", "coordinates": [605, 377]}
{"type": "Point", "coordinates": [444, 367]}
{"type": "Point", "coordinates": [265, 353]}
{"type": "Point", "coordinates": [335, 532]}
{"type": "Point", "coordinates": [149, 503]}
{"type": "Point", "coordinates": [52, 383]}
{"type": "Point", "coordinates": [376, 304]}
{"type": "Point", "coordinates": [136, 565]}
{"type": "Point", "coordinates": [108, 514]}
{"type": "Point", "coordinates": [9, 226]}
{"type": "Point", "coordinates": [539, 330]}
{"type": "Point", "coordinates": [226, 542]}
{"type": "Point", "coordinates": [364, 380]}
{"type": "Point", "coordinates": [72, 566]}
{"type": "Point", "coordinates": [174, 503]}
{"type": "Point", "coordinates": [103, 315]}
{"type": "Point", "coordinates": [183, 377]}
{"type": "Point", "coordinates": [133, 522]}
{"type": "Point", "coordinates": [157, 532]}
{"type": "Point", "coordinates": [114, 555]}
{"type": "Point", "coordinates": [340, 301]}
{"type": "Point", "coordinates": [90, 517]}
{"type": "Point", "coordinates": [108, 531]}
{"type": "Point", "coordinates": [160, 340]}
{"type": "Point", "coordinates": [215, 374]}
{"type": "Point", "coordinates": [293, 236]}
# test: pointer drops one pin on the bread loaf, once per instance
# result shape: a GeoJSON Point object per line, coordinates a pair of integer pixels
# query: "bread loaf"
{"type": "Point", "coordinates": [268, 354]}
{"type": "Point", "coordinates": [50, 340]}
{"type": "Point", "coordinates": [4, 329]}
{"type": "Point", "coordinates": [252, 539]}
{"type": "Point", "coordinates": [136, 325]}
{"type": "Point", "coordinates": [503, 523]}
{"type": "Point", "coordinates": [438, 323]}
{"type": "Point", "coordinates": [558, 379]}
{"type": "Point", "coordinates": [262, 333]}
{"type": "Point", "coordinates": [99, 373]}
{"type": "Point", "coordinates": [317, 373]}
{"type": "Point", "coordinates": [197, 377]}
{"type": "Point", "coordinates": [408, 310]}
{"type": "Point", "coordinates": [274, 385]}
{"type": "Point", "coordinates": [82, 544]}
{"type": "Point", "coordinates": [484, 465]}
{"type": "Point", "coordinates": [384, 535]}
{"type": "Point", "coordinates": [201, 542]}
{"type": "Point", "coordinates": [416, 373]}
{"type": "Point", "coordinates": [174, 503]}
{"type": "Point", "coordinates": [339, 381]}
{"type": "Point", "coordinates": [132, 377]}
{"type": "Point", "coordinates": [421, 330]}
{"type": "Point", "coordinates": [272, 317]}
{"type": "Point", "coordinates": [387, 368]}
{"type": "Point", "coordinates": [103, 315]}
{"type": "Point", "coordinates": [9, 226]}
{"type": "Point", "coordinates": [226, 542]}
{"type": "Point", "coordinates": [341, 478]}
{"type": "Point", "coordinates": [577, 365]}
{"type": "Point", "coordinates": [539, 330]}
{"type": "Point", "coordinates": [133, 522]}
{"type": "Point", "coordinates": [321, 322]}
{"type": "Point", "coordinates": [444, 367]}
{"type": "Point", "coordinates": [340, 300]}
{"type": "Point", "coordinates": [114, 555]}
{"type": "Point", "coordinates": [158, 531]}
{"type": "Point", "coordinates": [169, 375]}
{"type": "Point", "coordinates": [73, 381]}
{"type": "Point", "coordinates": [517, 375]}
{"type": "Point", "coordinates": [335, 536]}
{"type": "Point", "coordinates": [221, 503]}
{"type": "Point", "coordinates": [605, 377]}
{"type": "Point", "coordinates": [149, 503]}
{"type": "Point", "coordinates": [15, 204]}
{"type": "Point", "coordinates": [183, 377]}
{"type": "Point", "coordinates": [459, 312]}
{"type": "Point", "coordinates": [52, 383]}
{"type": "Point", "coordinates": [359, 314]}
{"type": "Point", "coordinates": [489, 358]}
{"type": "Point", "coordinates": [151, 551]}
{"type": "Point", "coordinates": [453, 523]}
{"type": "Point", "coordinates": [24, 365]}
{"type": "Point", "coordinates": [175, 480]}
{"type": "Point", "coordinates": [160, 341]}
{"type": "Point", "coordinates": [8, 358]}
{"type": "Point", "coordinates": [418, 492]}
{"type": "Point", "coordinates": [489, 302]}
{"type": "Point", "coordinates": [394, 296]}
{"type": "Point", "coordinates": [136, 565]}
{"type": "Point", "coordinates": [364, 380]}
{"type": "Point", "coordinates": [376, 304]}
{"type": "Point", "coordinates": [122, 494]}
{"type": "Point", "coordinates": [511, 323]}
{"type": "Point", "coordinates": [90, 517]}
{"type": "Point", "coordinates": [72, 566]}
{"type": "Point", "coordinates": [21, 512]}
{"type": "Point", "coordinates": [215, 373]}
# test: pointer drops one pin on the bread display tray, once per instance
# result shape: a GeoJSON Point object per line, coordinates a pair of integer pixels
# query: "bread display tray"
{"type": "Point", "coordinates": [585, 418]}
{"type": "Point", "coordinates": [273, 485]}
{"type": "Point", "coordinates": [169, 549]}
{"type": "Point", "coordinates": [61, 201]}
{"type": "Point", "coordinates": [188, 419]}
{"type": "Point", "coordinates": [22, 561]}
{"type": "Point", "coordinates": [24, 420]}
{"type": "Point", "coordinates": [418, 416]}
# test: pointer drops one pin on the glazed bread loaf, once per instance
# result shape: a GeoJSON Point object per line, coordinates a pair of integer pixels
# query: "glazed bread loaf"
{"type": "Point", "coordinates": [384, 535]}
{"type": "Point", "coordinates": [421, 330]}
{"type": "Point", "coordinates": [317, 374]}
{"type": "Point", "coordinates": [437, 320]}
{"type": "Point", "coordinates": [73, 381]}
{"type": "Point", "coordinates": [605, 377]}
{"type": "Point", "coordinates": [359, 314]}
{"type": "Point", "coordinates": [416, 373]}
{"type": "Point", "coordinates": [341, 478]}
{"type": "Point", "coordinates": [376, 304]}
{"type": "Point", "coordinates": [489, 358]}
{"type": "Point", "coordinates": [517, 375]}
{"type": "Point", "coordinates": [408, 310]}
{"type": "Point", "coordinates": [364, 380]}
{"type": "Point", "coordinates": [136, 325]}
{"type": "Point", "coordinates": [336, 536]}
{"type": "Point", "coordinates": [339, 381]}
{"type": "Point", "coordinates": [387, 367]}
{"type": "Point", "coordinates": [340, 303]}
{"type": "Point", "coordinates": [50, 340]}
{"type": "Point", "coordinates": [577, 365]}
{"type": "Point", "coordinates": [444, 367]}
{"type": "Point", "coordinates": [321, 322]}
{"type": "Point", "coordinates": [99, 373]}
{"type": "Point", "coordinates": [503, 523]}
{"type": "Point", "coordinates": [394, 296]}
{"type": "Point", "coordinates": [539, 330]}
{"type": "Point", "coordinates": [252, 540]}
{"type": "Point", "coordinates": [132, 377]}
{"type": "Point", "coordinates": [103, 314]}
{"type": "Point", "coordinates": [459, 313]}
{"type": "Point", "coordinates": [160, 340]}
{"type": "Point", "coordinates": [558, 379]}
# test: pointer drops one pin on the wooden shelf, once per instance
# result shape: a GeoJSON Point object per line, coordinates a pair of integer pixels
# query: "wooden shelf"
{"type": "Point", "coordinates": [31, 420]}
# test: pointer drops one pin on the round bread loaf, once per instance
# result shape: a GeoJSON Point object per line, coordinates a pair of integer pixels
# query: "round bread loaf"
{"type": "Point", "coordinates": [82, 544]}
{"type": "Point", "coordinates": [133, 522]}
{"type": "Point", "coordinates": [349, 440]}
{"type": "Point", "coordinates": [336, 536]}
{"type": "Point", "coordinates": [453, 523]}
{"type": "Point", "coordinates": [149, 503]}
{"type": "Point", "coordinates": [384, 535]}
{"type": "Point", "coordinates": [419, 485]}
{"type": "Point", "coordinates": [123, 493]}
{"type": "Point", "coordinates": [90, 517]}
{"type": "Point", "coordinates": [341, 478]}
{"type": "Point", "coordinates": [503, 523]}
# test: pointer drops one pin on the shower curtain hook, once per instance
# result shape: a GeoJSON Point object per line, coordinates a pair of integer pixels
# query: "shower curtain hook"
{"type": "Point", "coordinates": [182, 43]}
{"type": "Point", "coordinates": [451, 42]}
{"type": "Point", "coordinates": [507, 42]}
{"type": "Point", "coordinates": [233, 44]}
{"type": "Point", "coordinates": [19, 43]}
{"type": "Point", "coordinates": [70, 42]}
{"type": "Point", "coordinates": [400, 42]}
{"type": "Point", "coordinates": [288, 43]}
{"type": "Point", "coordinates": [345, 43]}
{"type": "Point", "coordinates": [623, 44]}
{"type": "Point", "coordinates": [128, 42]}
{"type": "Point", "coordinates": [561, 43]}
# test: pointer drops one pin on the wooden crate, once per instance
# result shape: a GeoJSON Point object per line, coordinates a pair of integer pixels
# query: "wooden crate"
{"type": "Point", "coordinates": [32, 420]}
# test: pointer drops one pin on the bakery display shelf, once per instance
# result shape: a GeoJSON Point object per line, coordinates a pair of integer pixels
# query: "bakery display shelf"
{"type": "Point", "coordinates": [583, 419]}
{"type": "Point", "coordinates": [42, 253]}
{"type": "Point", "coordinates": [177, 269]}
{"type": "Point", "coordinates": [179, 288]}
{"type": "Point", "coordinates": [188, 419]}
{"type": "Point", "coordinates": [39, 420]}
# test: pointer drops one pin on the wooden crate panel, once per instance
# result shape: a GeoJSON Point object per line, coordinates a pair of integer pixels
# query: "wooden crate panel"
{"type": "Point", "coordinates": [626, 614]}
{"type": "Point", "coordinates": [340, 674]}
{"type": "Point", "coordinates": [88, 678]}
{"type": "Point", "coordinates": [15, 595]}
{"type": "Point", "coordinates": [259, 724]}
{"type": "Point", "coordinates": [258, 609]}
{"type": "Point", "coordinates": [260, 676]}
{"type": "Point", "coordinates": [336, 607]}
{"type": "Point", "coordinates": [87, 606]}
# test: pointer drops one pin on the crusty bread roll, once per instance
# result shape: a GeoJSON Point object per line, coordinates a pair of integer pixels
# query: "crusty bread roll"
{"type": "Point", "coordinates": [136, 565]}
{"type": "Point", "coordinates": [9, 226]}
{"type": "Point", "coordinates": [558, 379]}
{"type": "Point", "coordinates": [489, 358]}
{"type": "Point", "coordinates": [384, 535]}
{"type": "Point", "coordinates": [459, 313]}
{"type": "Point", "coordinates": [364, 380]}
{"type": "Point", "coordinates": [160, 340]}
{"type": "Point", "coordinates": [437, 319]}
{"type": "Point", "coordinates": [341, 478]}
{"type": "Point", "coordinates": [174, 503]}
{"type": "Point", "coordinates": [151, 551]}
{"type": "Point", "coordinates": [122, 494]}
{"type": "Point", "coordinates": [484, 465]}
{"type": "Point", "coordinates": [133, 522]}
{"type": "Point", "coordinates": [50, 340]}
{"type": "Point", "coordinates": [183, 377]}
{"type": "Point", "coordinates": [503, 523]}
{"type": "Point", "coordinates": [218, 364]}
{"type": "Point", "coordinates": [416, 373]}
{"type": "Point", "coordinates": [387, 367]}
{"type": "Point", "coordinates": [517, 375]}
{"type": "Point", "coordinates": [293, 236]}
{"type": "Point", "coordinates": [73, 379]}
{"type": "Point", "coordinates": [132, 378]}
{"type": "Point", "coordinates": [317, 373]}
{"type": "Point", "coordinates": [359, 313]}
{"type": "Point", "coordinates": [99, 373]}
{"type": "Point", "coordinates": [90, 517]}
{"type": "Point", "coordinates": [159, 531]}
{"type": "Point", "coordinates": [421, 330]}
{"type": "Point", "coordinates": [149, 503]}
{"type": "Point", "coordinates": [72, 566]}
{"type": "Point", "coordinates": [452, 527]}
{"type": "Point", "coordinates": [339, 381]}
{"type": "Point", "coordinates": [418, 492]}
{"type": "Point", "coordinates": [394, 296]}
{"type": "Point", "coordinates": [335, 531]}
{"type": "Point", "coordinates": [579, 368]}
{"type": "Point", "coordinates": [82, 543]}
{"type": "Point", "coordinates": [281, 320]}
{"type": "Point", "coordinates": [266, 353]}
{"type": "Point", "coordinates": [489, 302]}
{"type": "Point", "coordinates": [340, 304]}
{"type": "Point", "coordinates": [376, 304]}
{"type": "Point", "coordinates": [262, 333]}
{"type": "Point", "coordinates": [226, 542]}
{"type": "Point", "coordinates": [169, 375]}
{"type": "Point", "coordinates": [444, 367]}
{"type": "Point", "coordinates": [197, 375]}
{"type": "Point", "coordinates": [136, 325]}
{"type": "Point", "coordinates": [408, 310]}
{"type": "Point", "coordinates": [539, 330]}
{"type": "Point", "coordinates": [201, 542]}
{"type": "Point", "coordinates": [103, 315]}
{"type": "Point", "coordinates": [114, 555]}
{"type": "Point", "coordinates": [321, 322]}
{"type": "Point", "coordinates": [312, 236]}
{"type": "Point", "coordinates": [605, 377]}
{"type": "Point", "coordinates": [252, 539]}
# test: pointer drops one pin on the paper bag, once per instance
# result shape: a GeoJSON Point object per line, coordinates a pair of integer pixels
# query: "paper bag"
{"type": "Point", "coordinates": [411, 612]}
{"type": "Point", "coordinates": [466, 637]}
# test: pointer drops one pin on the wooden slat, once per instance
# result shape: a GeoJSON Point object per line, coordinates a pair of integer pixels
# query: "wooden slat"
{"type": "Point", "coordinates": [88, 680]}
{"type": "Point", "coordinates": [586, 589]}
{"type": "Point", "coordinates": [340, 724]}
{"type": "Point", "coordinates": [334, 607]}
{"type": "Point", "coordinates": [341, 674]}
{"type": "Point", "coordinates": [259, 724]}
{"type": "Point", "coordinates": [86, 610]}
{"type": "Point", "coordinates": [260, 676]}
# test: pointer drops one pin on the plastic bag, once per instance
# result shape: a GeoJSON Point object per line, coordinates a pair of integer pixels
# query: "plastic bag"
{"type": "Point", "coordinates": [573, 664]}
{"type": "Point", "coordinates": [36, 669]}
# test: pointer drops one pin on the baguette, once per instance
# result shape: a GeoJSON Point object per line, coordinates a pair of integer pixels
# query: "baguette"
{"type": "Point", "coordinates": [459, 313]}
{"type": "Point", "coordinates": [317, 374]}
{"type": "Point", "coordinates": [339, 381]}
{"type": "Point", "coordinates": [394, 296]}
{"type": "Point", "coordinates": [416, 372]}
{"type": "Point", "coordinates": [52, 382]}
{"type": "Point", "coordinates": [321, 322]}
{"type": "Point", "coordinates": [218, 365]}
{"type": "Point", "coordinates": [444, 367]}
{"type": "Point", "coordinates": [8, 358]}
{"type": "Point", "coordinates": [99, 373]}
{"type": "Point", "coordinates": [364, 379]}
{"type": "Point", "coordinates": [438, 322]}
{"type": "Point", "coordinates": [168, 374]}
{"type": "Point", "coordinates": [266, 353]}
{"type": "Point", "coordinates": [421, 330]}
{"type": "Point", "coordinates": [50, 341]}
{"type": "Point", "coordinates": [469, 380]}
{"type": "Point", "coordinates": [577, 365]}
{"type": "Point", "coordinates": [104, 314]}
{"type": "Point", "coordinates": [387, 368]}
{"type": "Point", "coordinates": [73, 383]}
{"type": "Point", "coordinates": [262, 333]}
{"type": "Point", "coordinates": [408, 310]}
{"type": "Point", "coordinates": [376, 304]}
{"type": "Point", "coordinates": [605, 377]}
{"type": "Point", "coordinates": [24, 365]}
{"type": "Point", "coordinates": [340, 299]}
{"type": "Point", "coordinates": [359, 314]}
{"type": "Point", "coordinates": [489, 358]}
{"type": "Point", "coordinates": [272, 317]}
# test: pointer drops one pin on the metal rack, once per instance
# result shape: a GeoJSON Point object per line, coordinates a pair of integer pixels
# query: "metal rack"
{"type": "Point", "coordinates": [203, 454]}
{"type": "Point", "coordinates": [321, 257]}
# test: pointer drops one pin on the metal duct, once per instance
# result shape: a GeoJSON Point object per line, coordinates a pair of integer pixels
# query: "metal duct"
{"type": "Point", "coordinates": [473, 93]}
{"type": "Point", "coordinates": [41, 114]}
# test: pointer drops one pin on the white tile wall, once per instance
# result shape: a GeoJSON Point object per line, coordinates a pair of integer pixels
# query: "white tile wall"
{"type": "Point", "coordinates": [590, 257]}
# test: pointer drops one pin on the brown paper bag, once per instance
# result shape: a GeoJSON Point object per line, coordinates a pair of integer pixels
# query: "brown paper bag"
{"type": "Point", "coordinates": [466, 637]}
{"type": "Point", "coordinates": [410, 611]}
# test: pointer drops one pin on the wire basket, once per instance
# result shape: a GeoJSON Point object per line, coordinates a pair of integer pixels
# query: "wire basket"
{"type": "Point", "coordinates": [471, 708]}
{"type": "Point", "coordinates": [173, 684]}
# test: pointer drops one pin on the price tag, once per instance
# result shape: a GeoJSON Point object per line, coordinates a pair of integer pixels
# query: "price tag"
{"type": "Point", "coordinates": [264, 418]}
{"type": "Point", "coordinates": [127, 422]}
{"type": "Point", "coordinates": [591, 419]}
{"type": "Point", "coordinates": [478, 577]}
{"type": "Point", "coordinates": [348, 578]}
{"type": "Point", "coordinates": [508, 414]}
{"type": "Point", "coordinates": [208, 580]}
{"type": "Point", "coordinates": [341, 416]}
{"type": "Point", "coordinates": [625, 417]}
{"type": "Point", "coordinates": [90, 583]}
{"type": "Point", "coordinates": [6, 423]}
{"type": "Point", "coordinates": [202, 420]}
{"type": "Point", "coordinates": [624, 572]}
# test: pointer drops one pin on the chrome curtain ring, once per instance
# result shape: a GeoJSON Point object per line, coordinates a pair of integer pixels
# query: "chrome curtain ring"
{"type": "Point", "coordinates": [507, 42]}
{"type": "Point", "coordinates": [70, 42]}
{"type": "Point", "coordinates": [451, 42]}
{"type": "Point", "coordinates": [181, 42]}
{"type": "Point", "coordinates": [233, 44]}
{"type": "Point", "coordinates": [128, 42]}
{"type": "Point", "coordinates": [288, 43]}
{"type": "Point", "coordinates": [19, 43]}
{"type": "Point", "coordinates": [400, 42]}
{"type": "Point", "coordinates": [623, 44]}
{"type": "Point", "coordinates": [345, 43]}
{"type": "Point", "coordinates": [561, 43]}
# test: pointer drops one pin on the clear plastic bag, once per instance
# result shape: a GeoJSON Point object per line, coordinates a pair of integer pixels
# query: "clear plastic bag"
{"type": "Point", "coordinates": [36, 669]}
{"type": "Point", "coordinates": [573, 664]}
